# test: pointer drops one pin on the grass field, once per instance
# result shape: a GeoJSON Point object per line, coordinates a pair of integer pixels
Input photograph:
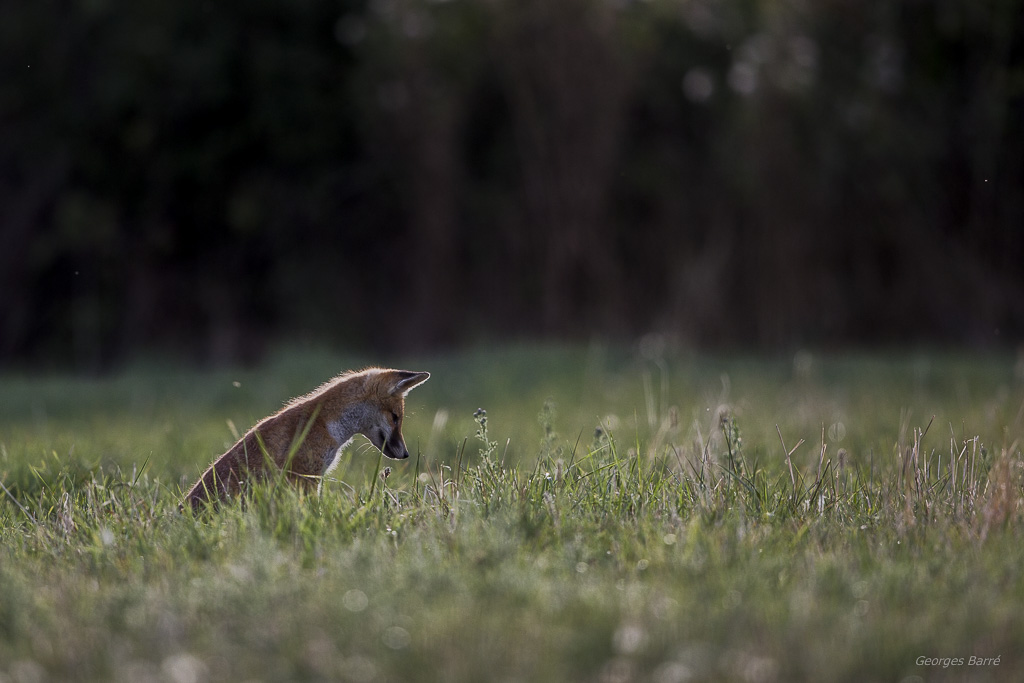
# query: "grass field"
{"type": "Point", "coordinates": [617, 516]}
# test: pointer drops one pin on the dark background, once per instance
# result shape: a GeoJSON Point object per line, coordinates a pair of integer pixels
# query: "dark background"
{"type": "Point", "coordinates": [209, 179]}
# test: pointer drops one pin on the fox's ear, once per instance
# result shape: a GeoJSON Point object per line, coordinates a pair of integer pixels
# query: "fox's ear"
{"type": "Point", "coordinates": [405, 381]}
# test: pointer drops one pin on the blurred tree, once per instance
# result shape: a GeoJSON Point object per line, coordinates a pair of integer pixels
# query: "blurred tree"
{"type": "Point", "coordinates": [208, 178]}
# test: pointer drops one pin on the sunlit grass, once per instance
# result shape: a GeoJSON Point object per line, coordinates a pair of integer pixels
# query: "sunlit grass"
{"type": "Point", "coordinates": [608, 517]}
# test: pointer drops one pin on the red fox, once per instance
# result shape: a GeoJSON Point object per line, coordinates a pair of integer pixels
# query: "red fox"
{"type": "Point", "coordinates": [306, 437]}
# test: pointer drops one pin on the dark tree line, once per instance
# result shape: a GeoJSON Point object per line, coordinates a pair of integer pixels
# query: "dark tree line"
{"type": "Point", "coordinates": [210, 177]}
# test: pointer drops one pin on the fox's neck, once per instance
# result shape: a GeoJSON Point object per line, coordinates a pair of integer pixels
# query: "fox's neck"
{"type": "Point", "coordinates": [349, 422]}
{"type": "Point", "coordinates": [341, 429]}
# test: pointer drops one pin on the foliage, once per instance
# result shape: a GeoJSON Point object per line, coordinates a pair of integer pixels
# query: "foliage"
{"type": "Point", "coordinates": [207, 178]}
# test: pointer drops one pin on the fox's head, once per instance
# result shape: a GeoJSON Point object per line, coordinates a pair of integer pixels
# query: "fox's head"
{"type": "Point", "coordinates": [383, 426]}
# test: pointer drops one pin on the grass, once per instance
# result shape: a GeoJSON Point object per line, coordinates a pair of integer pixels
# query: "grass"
{"type": "Point", "coordinates": [610, 517]}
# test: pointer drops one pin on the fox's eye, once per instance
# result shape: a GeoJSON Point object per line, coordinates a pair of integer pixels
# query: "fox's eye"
{"type": "Point", "coordinates": [394, 417]}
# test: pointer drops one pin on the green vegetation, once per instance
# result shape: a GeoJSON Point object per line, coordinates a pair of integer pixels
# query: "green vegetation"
{"type": "Point", "coordinates": [606, 517]}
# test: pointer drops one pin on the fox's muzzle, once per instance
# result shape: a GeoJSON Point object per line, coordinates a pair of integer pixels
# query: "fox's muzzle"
{"type": "Point", "coordinates": [394, 447]}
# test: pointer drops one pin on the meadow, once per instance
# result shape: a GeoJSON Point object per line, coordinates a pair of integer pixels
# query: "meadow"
{"type": "Point", "coordinates": [568, 514]}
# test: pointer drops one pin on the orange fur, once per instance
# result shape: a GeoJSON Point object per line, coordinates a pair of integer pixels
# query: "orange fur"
{"type": "Point", "coordinates": [305, 437]}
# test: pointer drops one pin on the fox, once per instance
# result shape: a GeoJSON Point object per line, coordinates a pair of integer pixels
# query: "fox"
{"type": "Point", "coordinates": [306, 437]}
